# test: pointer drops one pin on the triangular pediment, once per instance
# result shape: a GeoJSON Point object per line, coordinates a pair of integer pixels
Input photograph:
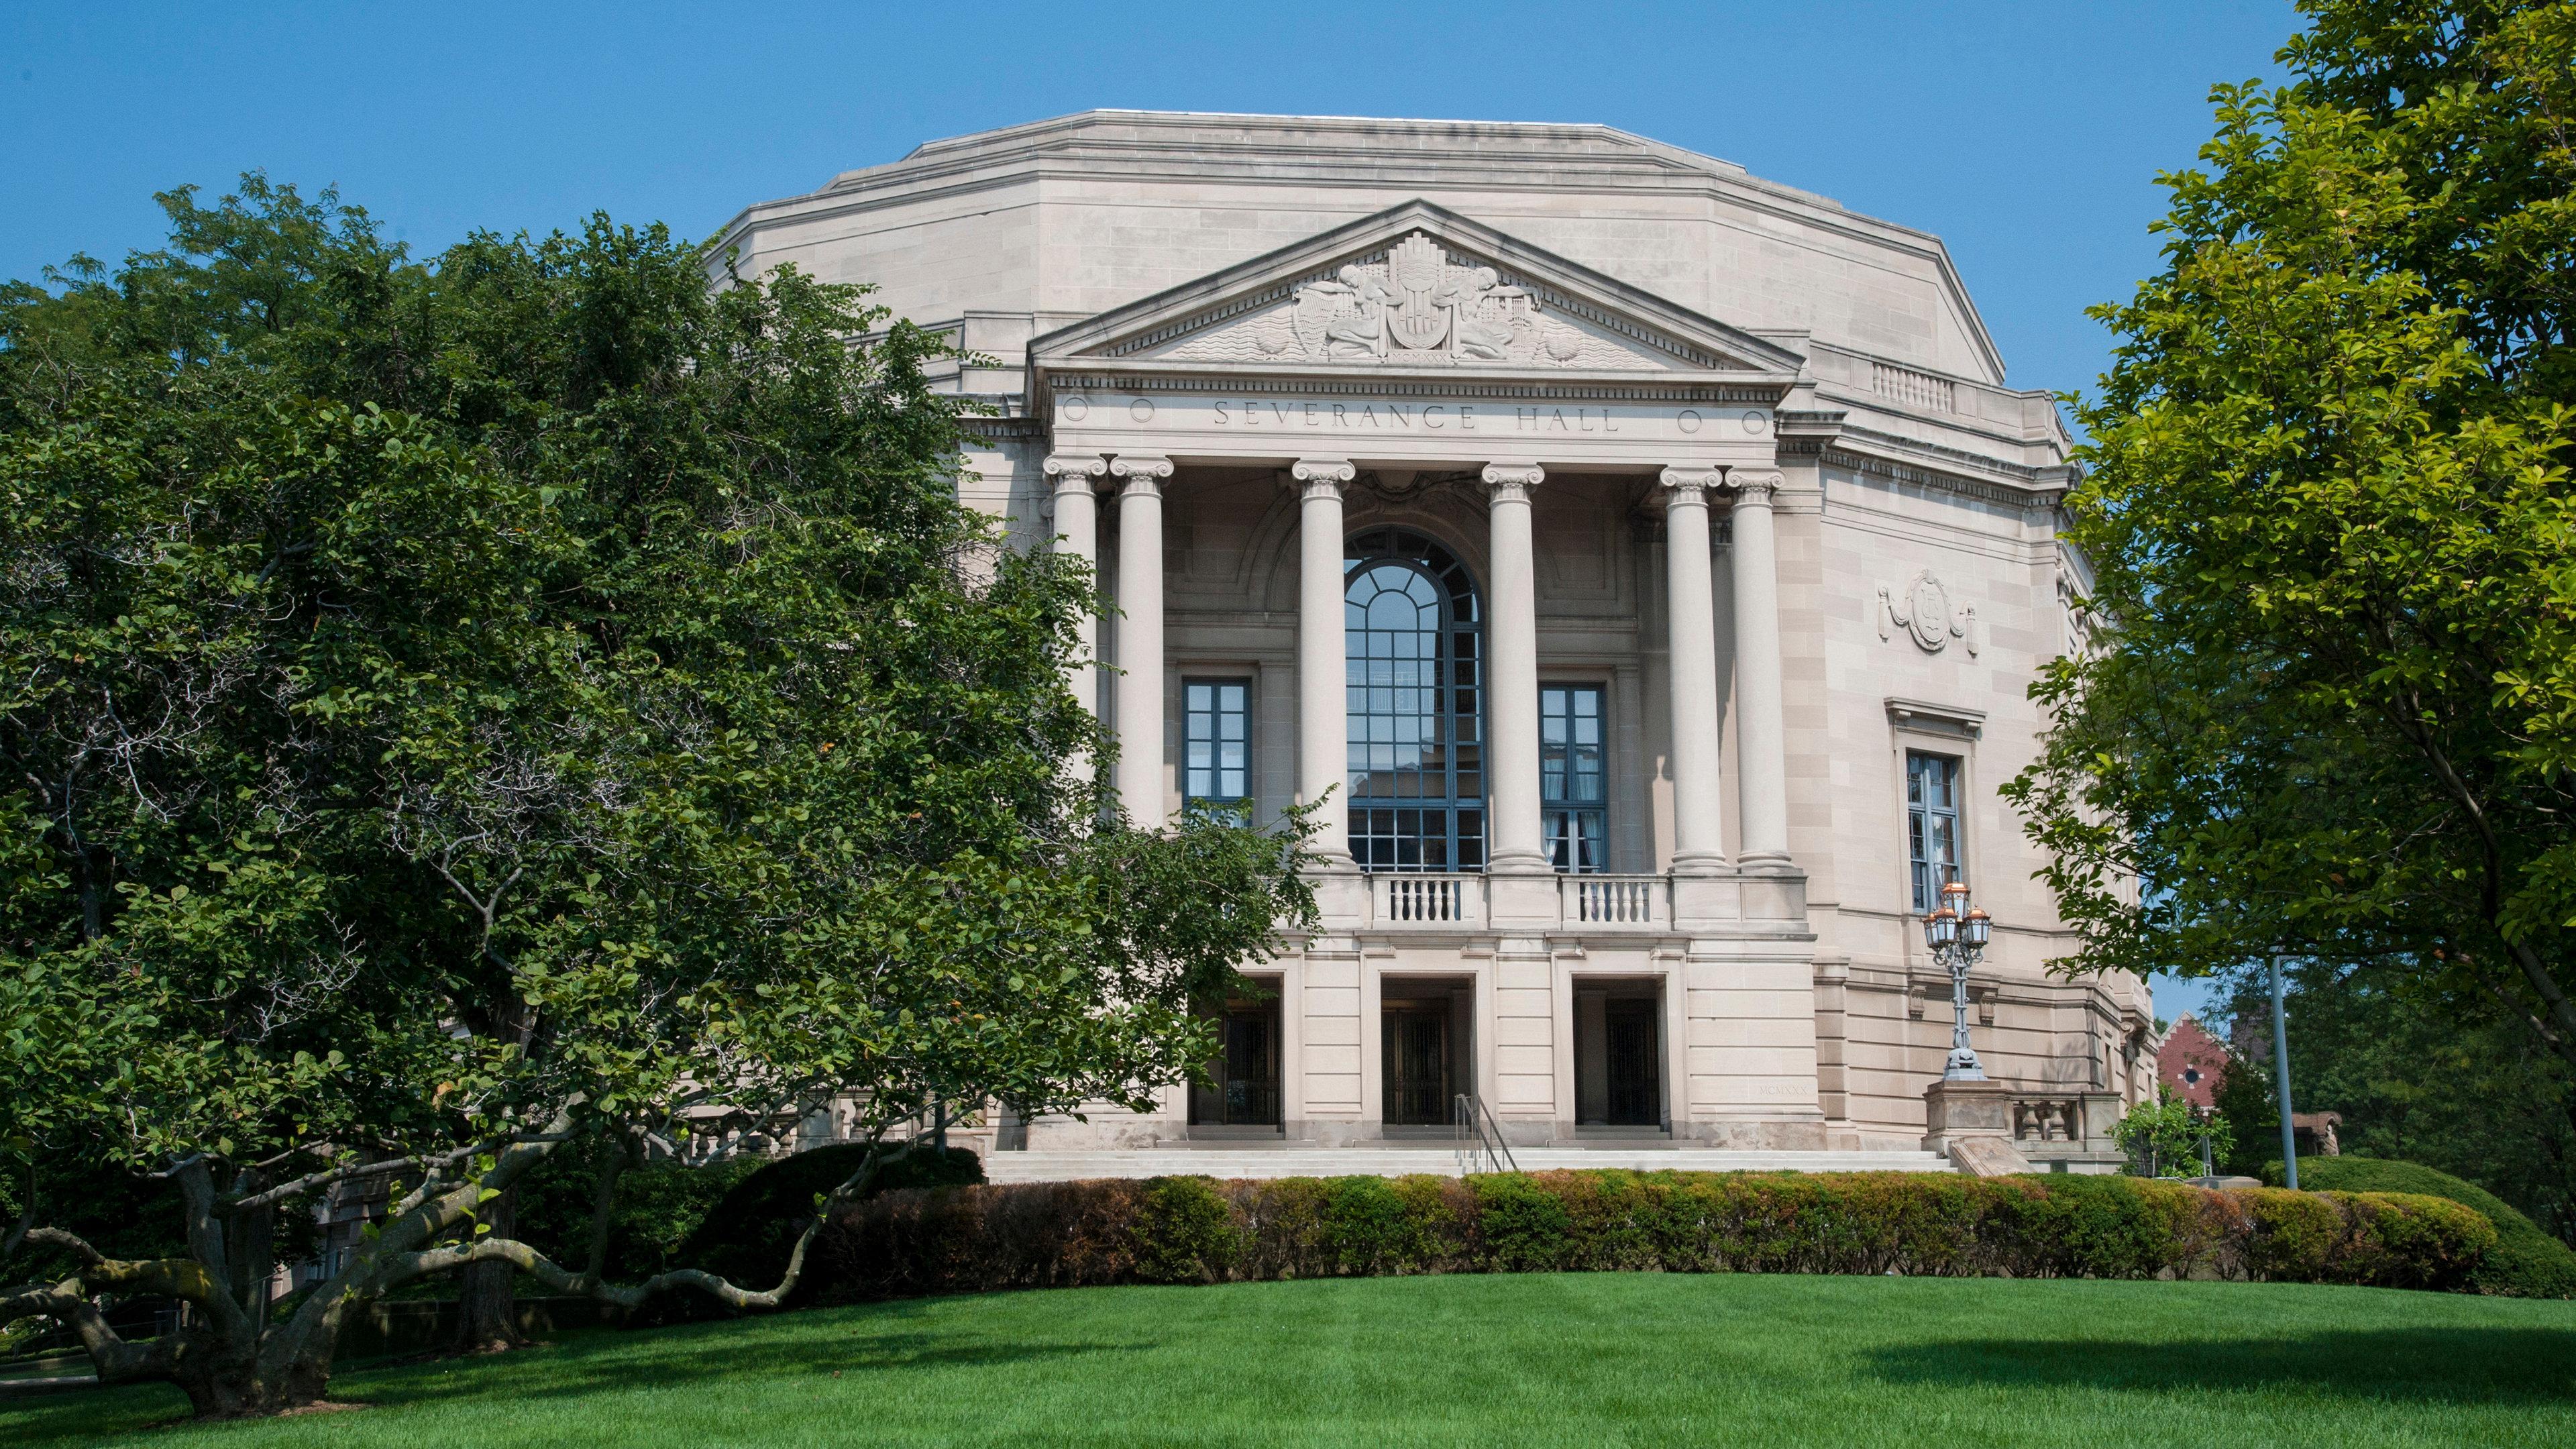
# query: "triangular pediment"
{"type": "Point", "coordinates": [1414, 288]}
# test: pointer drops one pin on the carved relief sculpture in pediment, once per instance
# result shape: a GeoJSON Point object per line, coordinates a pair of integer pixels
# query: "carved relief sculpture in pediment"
{"type": "Point", "coordinates": [1418, 305]}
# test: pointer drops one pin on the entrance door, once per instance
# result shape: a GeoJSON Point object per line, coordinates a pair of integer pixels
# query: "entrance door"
{"type": "Point", "coordinates": [1636, 1066]}
{"type": "Point", "coordinates": [1618, 1055]}
{"type": "Point", "coordinates": [1246, 1090]}
{"type": "Point", "coordinates": [1417, 1064]}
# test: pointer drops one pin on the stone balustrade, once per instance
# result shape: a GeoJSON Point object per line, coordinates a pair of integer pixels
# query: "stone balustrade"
{"type": "Point", "coordinates": [1584, 903]}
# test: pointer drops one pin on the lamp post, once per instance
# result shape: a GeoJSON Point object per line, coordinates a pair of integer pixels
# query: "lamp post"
{"type": "Point", "coordinates": [1956, 932]}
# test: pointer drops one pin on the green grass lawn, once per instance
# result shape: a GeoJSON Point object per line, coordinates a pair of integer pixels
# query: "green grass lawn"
{"type": "Point", "coordinates": [1573, 1359]}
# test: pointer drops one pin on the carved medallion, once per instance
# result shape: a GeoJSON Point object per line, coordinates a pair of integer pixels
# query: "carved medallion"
{"type": "Point", "coordinates": [1923, 610]}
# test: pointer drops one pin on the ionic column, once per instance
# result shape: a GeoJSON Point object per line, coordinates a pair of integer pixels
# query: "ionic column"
{"type": "Point", "coordinates": [1511, 678]}
{"type": "Point", "coordinates": [1323, 707]}
{"type": "Point", "coordinates": [1699, 842]}
{"type": "Point", "coordinates": [1140, 639]}
{"type": "Point", "coordinates": [1761, 738]}
{"type": "Point", "coordinates": [1077, 535]}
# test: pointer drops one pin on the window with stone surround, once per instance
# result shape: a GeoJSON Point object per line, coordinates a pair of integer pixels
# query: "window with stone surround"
{"type": "Point", "coordinates": [1572, 791]}
{"type": "Point", "coordinates": [1932, 823]}
{"type": "Point", "coordinates": [1216, 745]}
{"type": "Point", "coordinates": [1413, 631]}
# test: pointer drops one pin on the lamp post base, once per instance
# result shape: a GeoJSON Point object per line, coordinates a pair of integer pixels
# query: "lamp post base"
{"type": "Point", "coordinates": [1954, 1111]}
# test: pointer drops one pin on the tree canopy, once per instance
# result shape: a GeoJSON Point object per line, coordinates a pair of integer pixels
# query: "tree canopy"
{"type": "Point", "coordinates": [2332, 712]}
{"type": "Point", "coordinates": [453, 708]}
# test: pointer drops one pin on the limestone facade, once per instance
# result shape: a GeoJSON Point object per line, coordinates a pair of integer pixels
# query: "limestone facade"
{"type": "Point", "coordinates": [1719, 460]}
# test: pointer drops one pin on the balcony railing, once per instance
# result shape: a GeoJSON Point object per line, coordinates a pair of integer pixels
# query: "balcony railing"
{"type": "Point", "coordinates": [1588, 903]}
{"type": "Point", "coordinates": [1611, 902]}
{"type": "Point", "coordinates": [1426, 900]}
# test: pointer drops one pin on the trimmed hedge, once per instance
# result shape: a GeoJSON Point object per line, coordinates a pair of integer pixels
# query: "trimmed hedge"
{"type": "Point", "coordinates": [1199, 1230]}
{"type": "Point", "coordinates": [2527, 1262]}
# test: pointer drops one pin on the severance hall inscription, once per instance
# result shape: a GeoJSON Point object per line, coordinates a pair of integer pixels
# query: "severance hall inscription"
{"type": "Point", "coordinates": [1388, 416]}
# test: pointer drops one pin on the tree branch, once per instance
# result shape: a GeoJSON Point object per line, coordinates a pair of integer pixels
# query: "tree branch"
{"type": "Point", "coordinates": [399, 1268]}
{"type": "Point", "coordinates": [2561, 1010]}
{"type": "Point", "coordinates": [315, 1181]}
{"type": "Point", "coordinates": [114, 1359]}
{"type": "Point", "coordinates": [182, 1278]}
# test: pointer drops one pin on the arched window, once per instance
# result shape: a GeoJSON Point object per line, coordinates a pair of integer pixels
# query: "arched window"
{"type": "Point", "coordinates": [1413, 632]}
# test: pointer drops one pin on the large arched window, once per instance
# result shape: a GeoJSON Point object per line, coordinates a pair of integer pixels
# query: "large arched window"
{"type": "Point", "coordinates": [1416, 691]}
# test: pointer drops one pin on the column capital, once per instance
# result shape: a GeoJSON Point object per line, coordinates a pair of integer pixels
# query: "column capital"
{"type": "Point", "coordinates": [1757, 489]}
{"type": "Point", "coordinates": [1074, 470]}
{"type": "Point", "coordinates": [1693, 485]}
{"type": "Point", "coordinates": [1512, 481]}
{"type": "Point", "coordinates": [1144, 474]}
{"type": "Point", "coordinates": [1333, 474]}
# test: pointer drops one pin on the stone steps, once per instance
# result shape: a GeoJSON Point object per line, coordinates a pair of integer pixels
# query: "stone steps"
{"type": "Point", "coordinates": [1268, 1161]}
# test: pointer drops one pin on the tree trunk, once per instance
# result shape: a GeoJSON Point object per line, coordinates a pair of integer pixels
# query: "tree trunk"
{"type": "Point", "coordinates": [487, 1309]}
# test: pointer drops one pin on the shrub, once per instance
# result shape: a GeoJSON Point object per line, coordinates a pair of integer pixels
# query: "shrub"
{"type": "Point", "coordinates": [1368, 1227]}
{"type": "Point", "coordinates": [2526, 1261]}
{"type": "Point", "coordinates": [1185, 1233]}
{"type": "Point", "coordinates": [2164, 1137]}
{"type": "Point", "coordinates": [1194, 1230]}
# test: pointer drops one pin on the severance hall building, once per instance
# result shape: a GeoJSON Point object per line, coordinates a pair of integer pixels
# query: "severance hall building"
{"type": "Point", "coordinates": [1643, 562]}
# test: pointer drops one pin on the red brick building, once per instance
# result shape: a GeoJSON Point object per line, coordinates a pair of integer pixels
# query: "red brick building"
{"type": "Point", "coordinates": [2190, 1061]}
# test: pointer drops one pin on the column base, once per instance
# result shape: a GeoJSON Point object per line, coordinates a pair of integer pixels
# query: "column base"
{"type": "Point", "coordinates": [1701, 865]}
{"type": "Point", "coordinates": [1341, 893]}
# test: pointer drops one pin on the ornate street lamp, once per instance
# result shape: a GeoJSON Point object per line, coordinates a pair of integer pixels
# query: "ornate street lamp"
{"type": "Point", "coordinates": [1957, 933]}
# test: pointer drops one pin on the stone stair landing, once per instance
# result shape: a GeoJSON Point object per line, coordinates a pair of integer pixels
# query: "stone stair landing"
{"type": "Point", "coordinates": [1407, 1161]}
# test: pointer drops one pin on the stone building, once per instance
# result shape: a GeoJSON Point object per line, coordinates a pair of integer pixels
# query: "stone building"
{"type": "Point", "coordinates": [1643, 563]}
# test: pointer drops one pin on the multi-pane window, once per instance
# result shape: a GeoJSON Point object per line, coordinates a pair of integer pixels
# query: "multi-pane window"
{"type": "Point", "coordinates": [1932, 824]}
{"type": "Point", "coordinates": [1570, 792]}
{"type": "Point", "coordinates": [1216, 743]}
{"type": "Point", "coordinates": [1413, 634]}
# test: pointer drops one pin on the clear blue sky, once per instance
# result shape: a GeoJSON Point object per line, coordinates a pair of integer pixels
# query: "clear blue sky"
{"type": "Point", "coordinates": [2028, 136]}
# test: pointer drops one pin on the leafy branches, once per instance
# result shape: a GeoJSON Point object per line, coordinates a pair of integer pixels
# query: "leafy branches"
{"type": "Point", "coordinates": [450, 709]}
{"type": "Point", "coordinates": [2329, 508]}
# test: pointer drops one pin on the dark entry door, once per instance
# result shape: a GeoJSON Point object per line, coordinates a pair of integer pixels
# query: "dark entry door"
{"type": "Point", "coordinates": [1246, 1090]}
{"type": "Point", "coordinates": [1635, 1064]}
{"type": "Point", "coordinates": [1417, 1065]}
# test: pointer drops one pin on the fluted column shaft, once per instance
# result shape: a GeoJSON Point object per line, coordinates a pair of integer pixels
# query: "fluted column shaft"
{"type": "Point", "coordinates": [1511, 682]}
{"type": "Point", "coordinates": [1323, 706]}
{"type": "Point", "coordinates": [1077, 535]}
{"type": "Point", "coordinates": [1140, 639]}
{"type": "Point", "coordinates": [1761, 737]}
{"type": "Point", "coordinates": [1699, 843]}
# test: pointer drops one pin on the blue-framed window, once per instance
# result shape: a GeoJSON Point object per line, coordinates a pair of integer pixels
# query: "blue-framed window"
{"type": "Point", "coordinates": [1932, 824]}
{"type": "Point", "coordinates": [1216, 744]}
{"type": "Point", "coordinates": [1573, 799]}
{"type": "Point", "coordinates": [1415, 695]}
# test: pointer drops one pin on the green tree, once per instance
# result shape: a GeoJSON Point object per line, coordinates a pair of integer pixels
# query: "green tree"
{"type": "Point", "coordinates": [2420, 1074]}
{"type": "Point", "coordinates": [2165, 1137]}
{"type": "Point", "coordinates": [453, 710]}
{"type": "Point", "coordinates": [2332, 713]}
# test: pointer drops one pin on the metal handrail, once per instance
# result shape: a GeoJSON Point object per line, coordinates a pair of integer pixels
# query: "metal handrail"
{"type": "Point", "coordinates": [1480, 1149]}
